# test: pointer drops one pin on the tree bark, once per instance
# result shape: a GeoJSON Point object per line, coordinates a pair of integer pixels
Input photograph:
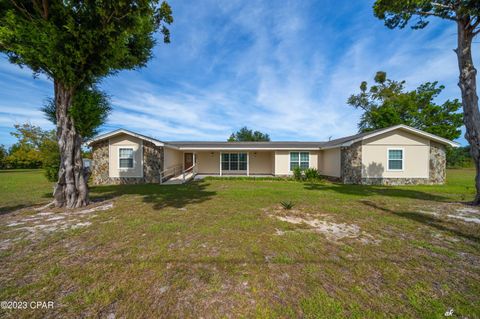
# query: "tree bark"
{"type": "Point", "coordinates": [468, 86]}
{"type": "Point", "coordinates": [71, 190]}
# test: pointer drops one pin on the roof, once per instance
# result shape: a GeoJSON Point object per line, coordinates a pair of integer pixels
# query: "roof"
{"type": "Point", "coordinates": [349, 140]}
{"type": "Point", "coordinates": [286, 145]}
{"type": "Point", "coordinates": [123, 131]}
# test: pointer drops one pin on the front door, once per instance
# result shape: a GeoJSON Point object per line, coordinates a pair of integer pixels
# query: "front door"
{"type": "Point", "coordinates": [188, 158]}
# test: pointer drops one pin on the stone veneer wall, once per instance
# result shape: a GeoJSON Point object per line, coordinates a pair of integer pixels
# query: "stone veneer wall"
{"type": "Point", "coordinates": [438, 163]}
{"type": "Point", "coordinates": [351, 168]}
{"type": "Point", "coordinates": [152, 162]}
{"type": "Point", "coordinates": [152, 165]}
{"type": "Point", "coordinates": [351, 164]}
{"type": "Point", "coordinates": [100, 163]}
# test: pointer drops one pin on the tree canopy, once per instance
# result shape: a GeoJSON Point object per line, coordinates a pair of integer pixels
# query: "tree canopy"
{"type": "Point", "coordinates": [399, 13]}
{"type": "Point", "coordinates": [78, 42]}
{"type": "Point", "coordinates": [247, 135]}
{"type": "Point", "coordinates": [388, 103]}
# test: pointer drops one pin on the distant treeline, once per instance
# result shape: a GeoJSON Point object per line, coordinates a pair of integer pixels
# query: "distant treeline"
{"type": "Point", "coordinates": [459, 157]}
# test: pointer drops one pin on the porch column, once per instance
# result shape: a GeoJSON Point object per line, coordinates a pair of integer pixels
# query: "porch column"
{"type": "Point", "coordinates": [248, 163]}
{"type": "Point", "coordinates": [220, 163]}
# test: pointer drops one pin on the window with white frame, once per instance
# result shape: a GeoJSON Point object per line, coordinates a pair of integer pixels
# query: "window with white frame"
{"type": "Point", "coordinates": [395, 159]}
{"type": "Point", "coordinates": [234, 161]}
{"type": "Point", "coordinates": [299, 159]}
{"type": "Point", "coordinates": [125, 157]}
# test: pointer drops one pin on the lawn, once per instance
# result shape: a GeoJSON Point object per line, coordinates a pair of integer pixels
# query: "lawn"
{"type": "Point", "coordinates": [226, 248]}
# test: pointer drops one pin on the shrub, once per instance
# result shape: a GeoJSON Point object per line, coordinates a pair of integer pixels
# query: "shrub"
{"type": "Point", "coordinates": [311, 173]}
{"type": "Point", "coordinates": [297, 173]}
{"type": "Point", "coordinates": [287, 204]}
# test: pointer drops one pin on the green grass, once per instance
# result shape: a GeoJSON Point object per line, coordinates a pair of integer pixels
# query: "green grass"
{"type": "Point", "coordinates": [212, 248]}
{"type": "Point", "coordinates": [22, 188]}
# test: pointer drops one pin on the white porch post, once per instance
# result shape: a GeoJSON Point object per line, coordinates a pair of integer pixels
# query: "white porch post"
{"type": "Point", "coordinates": [248, 163]}
{"type": "Point", "coordinates": [220, 163]}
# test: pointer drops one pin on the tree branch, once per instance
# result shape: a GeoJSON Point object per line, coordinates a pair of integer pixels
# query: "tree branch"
{"type": "Point", "coordinates": [429, 14]}
{"type": "Point", "coordinates": [22, 9]}
{"type": "Point", "coordinates": [441, 5]}
{"type": "Point", "coordinates": [474, 25]}
{"type": "Point", "coordinates": [45, 9]}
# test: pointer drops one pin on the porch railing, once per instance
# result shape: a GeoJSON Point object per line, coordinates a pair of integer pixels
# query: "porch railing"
{"type": "Point", "coordinates": [176, 170]}
{"type": "Point", "coordinates": [192, 169]}
{"type": "Point", "coordinates": [170, 172]}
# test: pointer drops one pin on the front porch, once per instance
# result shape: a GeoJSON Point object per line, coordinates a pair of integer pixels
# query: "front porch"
{"type": "Point", "coordinates": [186, 164]}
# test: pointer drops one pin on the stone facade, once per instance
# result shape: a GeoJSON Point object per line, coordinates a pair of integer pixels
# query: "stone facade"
{"type": "Point", "coordinates": [438, 163]}
{"type": "Point", "coordinates": [395, 181]}
{"type": "Point", "coordinates": [100, 163]}
{"type": "Point", "coordinates": [351, 164]}
{"type": "Point", "coordinates": [152, 165]}
{"type": "Point", "coordinates": [152, 162]}
{"type": "Point", "coordinates": [351, 168]}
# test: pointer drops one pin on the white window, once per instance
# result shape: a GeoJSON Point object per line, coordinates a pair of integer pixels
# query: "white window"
{"type": "Point", "coordinates": [125, 157]}
{"type": "Point", "coordinates": [234, 161]}
{"type": "Point", "coordinates": [299, 159]}
{"type": "Point", "coordinates": [395, 159]}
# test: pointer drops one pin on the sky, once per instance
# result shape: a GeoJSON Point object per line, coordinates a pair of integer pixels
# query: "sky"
{"type": "Point", "coordinates": [285, 68]}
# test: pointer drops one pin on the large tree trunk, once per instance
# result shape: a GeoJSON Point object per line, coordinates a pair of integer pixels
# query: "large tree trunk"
{"type": "Point", "coordinates": [468, 86]}
{"type": "Point", "coordinates": [71, 190]}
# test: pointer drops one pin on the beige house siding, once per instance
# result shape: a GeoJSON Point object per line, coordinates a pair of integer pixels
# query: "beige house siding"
{"type": "Point", "coordinates": [127, 141]}
{"type": "Point", "coordinates": [282, 161]}
{"type": "Point", "coordinates": [416, 155]}
{"type": "Point", "coordinates": [330, 164]}
{"type": "Point", "coordinates": [208, 162]}
{"type": "Point", "coordinates": [260, 162]}
{"type": "Point", "coordinates": [172, 157]}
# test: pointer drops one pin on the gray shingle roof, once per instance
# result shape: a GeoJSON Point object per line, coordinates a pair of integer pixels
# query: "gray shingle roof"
{"type": "Point", "coordinates": [252, 145]}
{"type": "Point", "coordinates": [286, 145]}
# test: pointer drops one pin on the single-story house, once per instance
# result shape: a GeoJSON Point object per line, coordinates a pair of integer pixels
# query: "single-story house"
{"type": "Point", "coordinates": [396, 155]}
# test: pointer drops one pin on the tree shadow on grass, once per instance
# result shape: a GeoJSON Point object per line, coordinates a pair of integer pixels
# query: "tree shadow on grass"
{"type": "Point", "coordinates": [425, 219]}
{"type": "Point", "coordinates": [161, 196]}
{"type": "Point", "coordinates": [372, 190]}
{"type": "Point", "coordinates": [4, 210]}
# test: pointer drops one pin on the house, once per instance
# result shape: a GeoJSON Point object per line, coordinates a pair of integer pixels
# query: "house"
{"type": "Point", "coordinates": [392, 156]}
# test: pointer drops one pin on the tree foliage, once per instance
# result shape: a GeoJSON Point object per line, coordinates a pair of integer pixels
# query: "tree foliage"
{"type": "Point", "coordinates": [90, 109]}
{"type": "Point", "coordinates": [387, 103]}
{"type": "Point", "coordinates": [78, 42]}
{"type": "Point", "coordinates": [30, 149]}
{"type": "Point", "coordinates": [458, 157]}
{"type": "Point", "coordinates": [247, 135]}
{"type": "Point", "coordinates": [399, 13]}
{"type": "Point", "coordinates": [3, 156]}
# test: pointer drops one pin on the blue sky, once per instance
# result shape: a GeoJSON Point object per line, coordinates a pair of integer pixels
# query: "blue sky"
{"type": "Point", "coordinates": [282, 67]}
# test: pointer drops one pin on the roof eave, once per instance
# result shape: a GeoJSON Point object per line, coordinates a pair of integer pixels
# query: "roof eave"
{"type": "Point", "coordinates": [123, 131]}
{"type": "Point", "coordinates": [248, 149]}
{"type": "Point", "coordinates": [430, 136]}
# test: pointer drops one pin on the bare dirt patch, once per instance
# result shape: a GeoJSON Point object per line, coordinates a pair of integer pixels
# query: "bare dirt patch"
{"type": "Point", "coordinates": [35, 225]}
{"type": "Point", "coordinates": [322, 224]}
